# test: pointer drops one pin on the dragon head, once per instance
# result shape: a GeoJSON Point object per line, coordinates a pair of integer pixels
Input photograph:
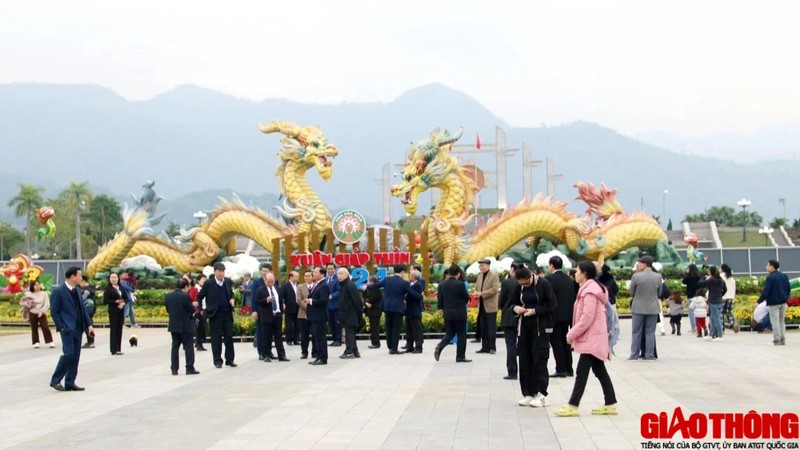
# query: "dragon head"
{"type": "Point", "coordinates": [306, 145]}
{"type": "Point", "coordinates": [602, 202]}
{"type": "Point", "coordinates": [44, 213]}
{"type": "Point", "coordinates": [428, 161]}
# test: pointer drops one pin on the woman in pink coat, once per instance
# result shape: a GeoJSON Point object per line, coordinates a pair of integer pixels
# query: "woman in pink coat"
{"type": "Point", "coordinates": [589, 337]}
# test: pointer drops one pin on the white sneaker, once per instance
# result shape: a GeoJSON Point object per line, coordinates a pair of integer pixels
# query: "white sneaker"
{"type": "Point", "coordinates": [718, 339]}
{"type": "Point", "coordinates": [708, 338]}
{"type": "Point", "coordinates": [525, 401]}
{"type": "Point", "coordinates": [36, 345]}
{"type": "Point", "coordinates": [540, 401]}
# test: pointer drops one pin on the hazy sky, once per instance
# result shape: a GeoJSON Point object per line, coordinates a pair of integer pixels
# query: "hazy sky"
{"type": "Point", "coordinates": [693, 68]}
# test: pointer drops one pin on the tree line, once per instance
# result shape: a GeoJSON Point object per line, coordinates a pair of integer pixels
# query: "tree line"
{"type": "Point", "coordinates": [83, 222]}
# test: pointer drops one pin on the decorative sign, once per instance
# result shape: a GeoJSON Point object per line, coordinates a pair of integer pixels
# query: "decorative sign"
{"type": "Point", "coordinates": [356, 258]}
{"type": "Point", "coordinates": [348, 226]}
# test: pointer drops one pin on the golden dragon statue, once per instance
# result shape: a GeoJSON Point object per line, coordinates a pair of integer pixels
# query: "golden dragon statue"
{"type": "Point", "coordinates": [430, 165]}
{"type": "Point", "coordinates": [303, 148]}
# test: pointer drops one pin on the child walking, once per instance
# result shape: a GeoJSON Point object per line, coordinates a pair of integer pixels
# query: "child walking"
{"type": "Point", "coordinates": [700, 308]}
{"type": "Point", "coordinates": [675, 305]}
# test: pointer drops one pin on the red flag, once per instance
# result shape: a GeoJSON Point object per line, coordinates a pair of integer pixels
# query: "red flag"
{"type": "Point", "coordinates": [478, 141]}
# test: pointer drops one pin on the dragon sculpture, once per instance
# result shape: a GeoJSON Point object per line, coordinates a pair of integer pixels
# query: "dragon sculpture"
{"type": "Point", "coordinates": [604, 231]}
{"type": "Point", "coordinates": [303, 148]}
{"type": "Point", "coordinates": [302, 210]}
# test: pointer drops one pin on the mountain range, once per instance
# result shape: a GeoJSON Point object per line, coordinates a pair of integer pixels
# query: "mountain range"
{"type": "Point", "coordinates": [197, 144]}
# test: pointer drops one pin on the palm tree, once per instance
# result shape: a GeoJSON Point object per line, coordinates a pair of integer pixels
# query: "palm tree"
{"type": "Point", "coordinates": [25, 203]}
{"type": "Point", "coordinates": [77, 196]}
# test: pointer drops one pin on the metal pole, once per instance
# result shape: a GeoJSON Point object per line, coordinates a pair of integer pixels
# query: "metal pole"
{"type": "Point", "coordinates": [744, 224]}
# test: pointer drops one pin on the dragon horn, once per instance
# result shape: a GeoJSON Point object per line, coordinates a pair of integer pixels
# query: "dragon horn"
{"type": "Point", "coordinates": [287, 128]}
{"type": "Point", "coordinates": [448, 139]}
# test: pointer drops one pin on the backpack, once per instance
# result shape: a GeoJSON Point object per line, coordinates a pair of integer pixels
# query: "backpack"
{"type": "Point", "coordinates": [612, 325]}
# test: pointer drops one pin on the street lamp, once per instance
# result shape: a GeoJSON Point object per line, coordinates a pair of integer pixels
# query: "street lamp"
{"type": "Point", "coordinates": [664, 208]}
{"type": "Point", "coordinates": [200, 215]}
{"type": "Point", "coordinates": [744, 203]}
{"type": "Point", "coordinates": [766, 230]}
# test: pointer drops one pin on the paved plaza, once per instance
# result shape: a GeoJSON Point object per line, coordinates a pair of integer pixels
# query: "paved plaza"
{"type": "Point", "coordinates": [378, 401]}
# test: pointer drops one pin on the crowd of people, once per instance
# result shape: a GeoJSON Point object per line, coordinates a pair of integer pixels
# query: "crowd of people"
{"type": "Point", "coordinates": [566, 312]}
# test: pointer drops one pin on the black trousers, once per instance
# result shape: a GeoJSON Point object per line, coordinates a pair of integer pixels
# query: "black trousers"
{"type": "Point", "coordinates": [510, 335]}
{"type": "Point", "coordinates": [333, 325]}
{"type": "Point", "coordinates": [115, 318]}
{"type": "Point", "coordinates": [455, 328]}
{"type": "Point", "coordinates": [489, 331]}
{"type": "Point", "coordinates": [393, 323]}
{"type": "Point", "coordinates": [375, 330]}
{"type": "Point", "coordinates": [303, 332]}
{"type": "Point", "coordinates": [351, 345]}
{"type": "Point", "coordinates": [534, 351]}
{"type": "Point", "coordinates": [562, 352]}
{"type": "Point", "coordinates": [321, 344]}
{"type": "Point", "coordinates": [291, 327]}
{"type": "Point", "coordinates": [585, 362]}
{"type": "Point", "coordinates": [221, 328]}
{"type": "Point", "coordinates": [201, 330]}
{"type": "Point", "coordinates": [271, 333]}
{"type": "Point", "coordinates": [478, 329]}
{"type": "Point", "coordinates": [184, 339]}
{"type": "Point", "coordinates": [414, 338]}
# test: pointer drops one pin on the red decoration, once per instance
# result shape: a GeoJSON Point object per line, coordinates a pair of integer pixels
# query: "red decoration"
{"type": "Point", "coordinates": [478, 141]}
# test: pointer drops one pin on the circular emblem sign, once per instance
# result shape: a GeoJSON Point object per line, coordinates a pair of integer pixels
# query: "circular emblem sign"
{"type": "Point", "coordinates": [349, 226]}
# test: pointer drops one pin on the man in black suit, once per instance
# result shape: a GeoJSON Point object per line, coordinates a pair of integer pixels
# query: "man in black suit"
{"type": "Point", "coordinates": [181, 326]}
{"type": "Point", "coordinates": [414, 307]}
{"type": "Point", "coordinates": [317, 312]}
{"type": "Point", "coordinates": [419, 287]}
{"type": "Point", "coordinates": [270, 318]}
{"type": "Point", "coordinates": [216, 296]}
{"type": "Point", "coordinates": [264, 268]}
{"type": "Point", "coordinates": [453, 300]}
{"type": "Point", "coordinates": [289, 297]}
{"type": "Point", "coordinates": [564, 289]}
{"type": "Point", "coordinates": [71, 319]}
{"type": "Point", "coordinates": [395, 290]}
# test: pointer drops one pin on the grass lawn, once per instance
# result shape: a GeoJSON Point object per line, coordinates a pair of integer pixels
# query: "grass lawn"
{"type": "Point", "coordinates": [731, 239]}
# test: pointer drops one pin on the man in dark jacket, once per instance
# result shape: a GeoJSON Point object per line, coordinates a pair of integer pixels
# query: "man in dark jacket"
{"type": "Point", "coordinates": [181, 326]}
{"type": "Point", "coordinates": [509, 320]}
{"type": "Point", "coordinates": [414, 307]}
{"type": "Point", "coordinates": [317, 312]}
{"type": "Point", "coordinates": [333, 305]}
{"type": "Point", "coordinates": [453, 300]}
{"type": "Point", "coordinates": [776, 294]}
{"type": "Point", "coordinates": [395, 290]}
{"type": "Point", "coordinates": [564, 289]}
{"type": "Point", "coordinates": [270, 318]}
{"type": "Point", "coordinates": [290, 308]}
{"type": "Point", "coordinates": [216, 296]}
{"type": "Point", "coordinates": [372, 308]}
{"type": "Point", "coordinates": [350, 313]}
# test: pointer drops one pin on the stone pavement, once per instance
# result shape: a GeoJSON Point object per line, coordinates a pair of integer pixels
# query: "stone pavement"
{"type": "Point", "coordinates": [378, 401]}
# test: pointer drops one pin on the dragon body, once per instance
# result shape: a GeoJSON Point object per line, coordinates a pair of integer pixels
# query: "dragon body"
{"type": "Point", "coordinates": [302, 148]}
{"type": "Point", "coordinates": [604, 232]}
